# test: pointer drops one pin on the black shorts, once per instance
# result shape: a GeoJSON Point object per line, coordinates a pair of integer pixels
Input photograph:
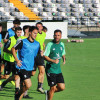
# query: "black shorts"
{"type": "Point", "coordinates": [53, 79]}
{"type": "Point", "coordinates": [9, 67]}
{"type": "Point", "coordinates": [24, 74]}
{"type": "Point", "coordinates": [0, 58]}
{"type": "Point", "coordinates": [39, 61]}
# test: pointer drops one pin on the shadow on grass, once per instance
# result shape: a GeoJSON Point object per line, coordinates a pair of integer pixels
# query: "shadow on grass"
{"type": "Point", "coordinates": [6, 94]}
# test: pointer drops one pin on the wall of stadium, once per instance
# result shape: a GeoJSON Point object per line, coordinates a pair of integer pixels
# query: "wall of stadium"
{"type": "Point", "coordinates": [50, 25]}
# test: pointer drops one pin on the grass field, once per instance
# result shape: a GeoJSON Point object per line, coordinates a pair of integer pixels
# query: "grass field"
{"type": "Point", "coordinates": [81, 73]}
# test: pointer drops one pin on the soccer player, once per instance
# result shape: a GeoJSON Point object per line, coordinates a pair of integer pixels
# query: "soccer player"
{"type": "Point", "coordinates": [27, 51]}
{"type": "Point", "coordinates": [44, 29]}
{"type": "Point", "coordinates": [54, 51]}
{"type": "Point", "coordinates": [9, 59]}
{"type": "Point", "coordinates": [11, 31]}
{"type": "Point", "coordinates": [26, 35]}
{"type": "Point", "coordinates": [0, 48]}
{"type": "Point", "coordinates": [39, 61]}
{"type": "Point", "coordinates": [0, 41]}
{"type": "Point", "coordinates": [26, 32]}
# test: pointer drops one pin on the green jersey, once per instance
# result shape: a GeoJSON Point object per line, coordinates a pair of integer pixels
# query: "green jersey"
{"type": "Point", "coordinates": [41, 38]}
{"type": "Point", "coordinates": [11, 42]}
{"type": "Point", "coordinates": [54, 51]}
{"type": "Point", "coordinates": [21, 37]}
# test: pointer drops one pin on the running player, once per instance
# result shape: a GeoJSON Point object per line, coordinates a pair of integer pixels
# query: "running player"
{"type": "Point", "coordinates": [26, 32]}
{"type": "Point", "coordinates": [0, 43]}
{"type": "Point", "coordinates": [39, 61]}
{"type": "Point", "coordinates": [26, 35]}
{"type": "Point", "coordinates": [0, 48]}
{"type": "Point", "coordinates": [44, 29]}
{"type": "Point", "coordinates": [54, 52]}
{"type": "Point", "coordinates": [9, 59]}
{"type": "Point", "coordinates": [27, 51]}
{"type": "Point", "coordinates": [11, 31]}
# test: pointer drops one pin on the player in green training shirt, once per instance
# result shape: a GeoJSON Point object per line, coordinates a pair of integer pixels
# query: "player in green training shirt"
{"type": "Point", "coordinates": [54, 51]}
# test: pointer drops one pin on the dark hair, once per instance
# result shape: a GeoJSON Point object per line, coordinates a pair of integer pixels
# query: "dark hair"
{"type": "Point", "coordinates": [39, 23]}
{"type": "Point", "coordinates": [45, 28]}
{"type": "Point", "coordinates": [25, 27]}
{"type": "Point", "coordinates": [57, 31]}
{"type": "Point", "coordinates": [16, 21]}
{"type": "Point", "coordinates": [18, 28]}
{"type": "Point", "coordinates": [0, 25]}
{"type": "Point", "coordinates": [31, 28]}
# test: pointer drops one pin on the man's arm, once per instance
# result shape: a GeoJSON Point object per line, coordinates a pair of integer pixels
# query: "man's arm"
{"type": "Point", "coordinates": [6, 37]}
{"type": "Point", "coordinates": [18, 46]}
{"type": "Point", "coordinates": [1, 44]}
{"type": "Point", "coordinates": [6, 46]}
{"type": "Point", "coordinates": [51, 60]}
{"type": "Point", "coordinates": [64, 59]}
{"type": "Point", "coordinates": [14, 53]}
{"type": "Point", "coordinates": [63, 54]}
{"type": "Point", "coordinates": [15, 56]}
{"type": "Point", "coordinates": [43, 46]}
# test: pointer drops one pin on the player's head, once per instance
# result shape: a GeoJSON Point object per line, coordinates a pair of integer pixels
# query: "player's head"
{"type": "Point", "coordinates": [26, 28]}
{"type": "Point", "coordinates": [57, 35]}
{"type": "Point", "coordinates": [44, 29]}
{"type": "Point", "coordinates": [0, 27]}
{"type": "Point", "coordinates": [16, 23]}
{"type": "Point", "coordinates": [18, 31]}
{"type": "Point", "coordinates": [39, 25]}
{"type": "Point", "coordinates": [33, 32]}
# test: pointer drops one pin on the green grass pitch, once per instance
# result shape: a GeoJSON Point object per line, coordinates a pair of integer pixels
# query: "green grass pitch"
{"type": "Point", "coordinates": [81, 73]}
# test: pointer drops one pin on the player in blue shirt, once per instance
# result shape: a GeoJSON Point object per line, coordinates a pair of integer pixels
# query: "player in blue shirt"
{"type": "Point", "coordinates": [0, 39]}
{"type": "Point", "coordinates": [0, 47]}
{"type": "Point", "coordinates": [11, 31]}
{"type": "Point", "coordinates": [27, 51]}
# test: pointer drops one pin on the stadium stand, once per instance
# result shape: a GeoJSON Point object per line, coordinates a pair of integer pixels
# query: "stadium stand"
{"type": "Point", "coordinates": [77, 12]}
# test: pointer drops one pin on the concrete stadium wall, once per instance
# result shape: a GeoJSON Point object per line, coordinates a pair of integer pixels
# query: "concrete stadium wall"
{"type": "Point", "coordinates": [50, 25]}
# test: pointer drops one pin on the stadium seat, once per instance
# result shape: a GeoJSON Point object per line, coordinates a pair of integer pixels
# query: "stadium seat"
{"type": "Point", "coordinates": [6, 1]}
{"type": "Point", "coordinates": [72, 5]}
{"type": "Point", "coordinates": [49, 5]}
{"type": "Point", "coordinates": [35, 1]}
{"type": "Point", "coordinates": [40, 9]}
{"type": "Point", "coordinates": [58, 1]}
{"type": "Point", "coordinates": [44, 14]}
{"type": "Point", "coordinates": [40, 14]}
{"type": "Point", "coordinates": [67, 10]}
{"type": "Point", "coordinates": [50, 18]}
{"type": "Point", "coordinates": [74, 22]}
{"type": "Point", "coordinates": [75, 1]}
{"type": "Point", "coordinates": [35, 10]}
{"type": "Point", "coordinates": [44, 1]}
{"type": "Point", "coordinates": [76, 14]}
{"type": "Point", "coordinates": [63, 5]}
{"type": "Point", "coordinates": [53, 1]}
{"type": "Point", "coordinates": [63, 15]}
{"type": "Point", "coordinates": [80, 1]}
{"type": "Point", "coordinates": [46, 9]}
{"type": "Point", "coordinates": [30, 1]}
{"type": "Point", "coordinates": [61, 9]}
{"type": "Point", "coordinates": [2, 1]}
{"type": "Point", "coordinates": [90, 14]}
{"type": "Point", "coordinates": [49, 14]}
